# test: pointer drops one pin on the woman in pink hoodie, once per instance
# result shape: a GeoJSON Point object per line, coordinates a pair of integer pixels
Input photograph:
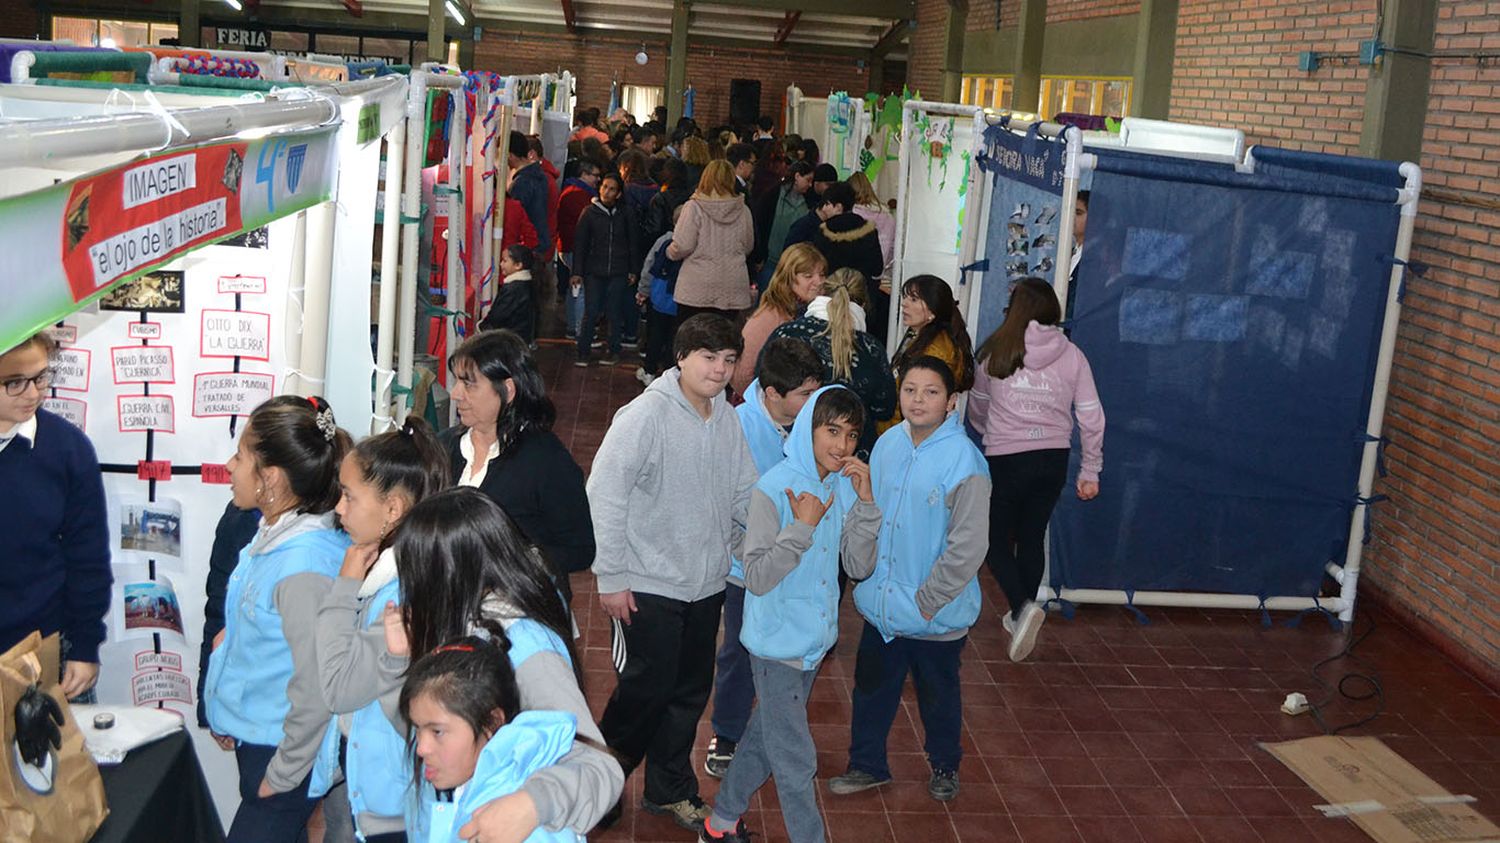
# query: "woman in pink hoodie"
{"type": "Point", "coordinates": [1031, 382]}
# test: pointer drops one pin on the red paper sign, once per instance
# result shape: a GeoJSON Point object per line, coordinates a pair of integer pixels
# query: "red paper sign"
{"type": "Point", "coordinates": [131, 218]}
{"type": "Point", "coordinates": [215, 474]}
{"type": "Point", "coordinates": [153, 470]}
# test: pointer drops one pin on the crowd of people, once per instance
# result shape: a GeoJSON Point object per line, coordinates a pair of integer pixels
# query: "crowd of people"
{"type": "Point", "coordinates": [390, 620]}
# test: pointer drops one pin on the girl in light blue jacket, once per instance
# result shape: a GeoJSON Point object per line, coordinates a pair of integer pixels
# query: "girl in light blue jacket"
{"type": "Point", "coordinates": [471, 743]}
{"type": "Point", "coordinates": [933, 486]}
{"type": "Point", "coordinates": [806, 513]}
{"type": "Point", "coordinates": [261, 694]}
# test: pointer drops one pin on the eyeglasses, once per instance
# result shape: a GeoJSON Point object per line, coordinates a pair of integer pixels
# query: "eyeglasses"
{"type": "Point", "coordinates": [17, 386]}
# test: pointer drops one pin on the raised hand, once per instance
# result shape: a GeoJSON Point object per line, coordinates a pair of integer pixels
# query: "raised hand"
{"type": "Point", "coordinates": [858, 472]}
{"type": "Point", "coordinates": [395, 631]}
{"type": "Point", "coordinates": [358, 559]}
{"type": "Point", "coordinates": [807, 507]}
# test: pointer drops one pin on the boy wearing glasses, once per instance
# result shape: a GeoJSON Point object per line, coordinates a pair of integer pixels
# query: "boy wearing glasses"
{"type": "Point", "coordinates": [56, 575]}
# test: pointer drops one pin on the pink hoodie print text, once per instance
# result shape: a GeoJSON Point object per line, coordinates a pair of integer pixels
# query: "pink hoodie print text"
{"type": "Point", "coordinates": [1033, 409]}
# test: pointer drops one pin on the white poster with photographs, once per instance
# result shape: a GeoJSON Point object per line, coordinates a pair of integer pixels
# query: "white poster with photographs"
{"type": "Point", "coordinates": [144, 606]}
{"type": "Point", "coordinates": [151, 530]}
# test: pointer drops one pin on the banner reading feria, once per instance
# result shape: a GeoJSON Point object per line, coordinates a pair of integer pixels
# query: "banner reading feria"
{"type": "Point", "coordinates": [120, 223]}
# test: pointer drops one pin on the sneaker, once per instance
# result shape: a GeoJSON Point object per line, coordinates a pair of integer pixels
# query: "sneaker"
{"type": "Point", "coordinates": [739, 835]}
{"type": "Point", "coordinates": [1008, 622]}
{"type": "Point", "coordinates": [854, 781]}
{"type": "Point", "coordinates": [630, 344]}
{"type": "Point", "coordinates": [1023, 638]}
{"type": "Point", "coordinates": [609, 359]}
{"type": "Point", "coordinates": [943, 785]}
{"type": "Point", "coordinates": [644, 376]}
{"type": "Point", "coordinates": [690, 813]}
{"type": "Point", "coordinates": [720, 753]}
{"type": "Point", "coordinates": [597, 344]}
{"type": "Point", "coordinates": [581, 362]}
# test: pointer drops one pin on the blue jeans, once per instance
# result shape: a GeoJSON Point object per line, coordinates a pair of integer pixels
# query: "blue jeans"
{"type": "Point", "coordinates": [574, 308]}
{"type": "Point", "coordinates": [880, 671]}
{"type": "Point", "coordinates": [734, 688]}
{"type": "Point", "coordinates": [282, 816]}
{"type": "Point", "coordinates": [777, 743]}
{"type": "Point", "coordinates": [609, 297]}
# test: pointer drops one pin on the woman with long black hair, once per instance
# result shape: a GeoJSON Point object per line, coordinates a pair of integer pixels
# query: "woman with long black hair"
{"type": "Point", "coordinates": [505, 447]}
{"type": "Point", "coordinates": [935, 328]}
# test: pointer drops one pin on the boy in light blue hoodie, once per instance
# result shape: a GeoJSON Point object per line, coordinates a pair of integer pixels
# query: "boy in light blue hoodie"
{"type": "Point", "coordinates": [812, 510]}
{"type": "Point", "coordinates": [933, 485]}
{"type": "Point", "coordinates": [787, 374]}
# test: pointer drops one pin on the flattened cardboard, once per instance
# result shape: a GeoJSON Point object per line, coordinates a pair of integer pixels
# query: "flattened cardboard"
{"type": "Point", "coordinates": [1385, 795]}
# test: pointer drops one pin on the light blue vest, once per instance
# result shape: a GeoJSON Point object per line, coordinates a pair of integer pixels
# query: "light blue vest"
{"type": "Point", "coordinates": [799, 618]}
{"type": "Point", "coordinates": [245, 692]}
{"type": "Point", "coordinates": [912, 487]}
{"type": "Point", "coordinates": [766, 447]}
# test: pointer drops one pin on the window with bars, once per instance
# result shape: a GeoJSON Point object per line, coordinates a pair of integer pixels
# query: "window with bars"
{"type": "Point", "coordinates": [1080, 95]}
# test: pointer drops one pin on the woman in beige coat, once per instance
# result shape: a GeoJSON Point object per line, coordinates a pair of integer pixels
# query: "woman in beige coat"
{"type": "Point", "coordinates": [712, 239]}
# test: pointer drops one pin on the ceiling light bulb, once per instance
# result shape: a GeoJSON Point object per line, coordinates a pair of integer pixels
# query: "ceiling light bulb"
{"type": "Point", "coordinates": [457, 15]}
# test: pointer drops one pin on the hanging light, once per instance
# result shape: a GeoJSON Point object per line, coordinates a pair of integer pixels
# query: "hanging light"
{"type": "Point", "coordinates": [235, 5]}
{"type": "Point", "coordinates": [641, 57]}
{"type": "Point", "coordinates": [454, 11]}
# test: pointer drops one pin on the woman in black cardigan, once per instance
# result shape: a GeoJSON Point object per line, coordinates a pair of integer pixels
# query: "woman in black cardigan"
{"type": "Point", "coordinates": [505, 446]}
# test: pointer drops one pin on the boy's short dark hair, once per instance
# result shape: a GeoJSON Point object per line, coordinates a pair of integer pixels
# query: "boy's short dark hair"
{"type": "Point", "coordinates": [932, 364]}
{"type": "Point", "coordinates": [518, 146]}
{"type": "Point", "coordinates": [534, 144]}
{"type": "Point", "coordinates": [840, 194]}
{"type": "Point", "coordinates": [785, 364]}
{"type": "Point", "coordinates": [739, 152]}
{"type": "Point", "coordinates": [764, 123]}
{"type": "Point", "coordinates": [710, 332]}
{"type": "Point", "coordinates": [839, 405]}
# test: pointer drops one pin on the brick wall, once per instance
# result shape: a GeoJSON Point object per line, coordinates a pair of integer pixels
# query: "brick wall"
{"type": "Point", "coordinates": [982, 12]}
{"type": "Point", "coordinates": [595, 61]}
{"type": "Point", "coordinates": [924, 66]}
{"type": "Point", "coordinates": [1433, 552]}
{"type": "Point", "coordinates": [18, 19]}
{"type": "Point", "coordinates": [1236, 65]}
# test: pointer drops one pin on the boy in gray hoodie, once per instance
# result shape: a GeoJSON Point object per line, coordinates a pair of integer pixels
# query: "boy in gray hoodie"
{"type": "Point", "coordinates": [669, 493]}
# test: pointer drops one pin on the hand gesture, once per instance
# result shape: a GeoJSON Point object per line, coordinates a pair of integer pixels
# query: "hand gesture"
{"type": "Point", "coordinates": [807, 507]}
{"type": "Point", "coordinates": [640, 299]}
{"type": "Point", "coordinates": [358, 559]}
{"type": "Point", "coordinates": [858, 472]}
{"type": "Point", "coordinates": [618, 605]}
{"type": "Point", "coordinates": [78, 677]}
{"type": "Point", "coordinates": [395, 631]}
{"type": "Point", "coordinates": [1087, 489]}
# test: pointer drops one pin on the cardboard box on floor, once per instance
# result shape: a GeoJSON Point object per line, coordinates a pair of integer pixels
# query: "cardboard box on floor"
{"type": "Point", "coordinates": [1385, 795]}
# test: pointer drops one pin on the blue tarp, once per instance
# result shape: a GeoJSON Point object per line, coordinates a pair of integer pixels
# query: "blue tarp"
{"type": "Point", "coordinates": [1232, 322]}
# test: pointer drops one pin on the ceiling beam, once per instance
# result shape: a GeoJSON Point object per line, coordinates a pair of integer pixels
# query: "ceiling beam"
{"type": "Point", "coordinates": [570, 16]}
{"type": "Point", "coordinates": [889, 9]}
{"type": "Point", "coordinates": [502, 27]}
{"type": "Point", "coordinates": [787, 25]}
{"type": "Point", "coordinates": [893, 37]}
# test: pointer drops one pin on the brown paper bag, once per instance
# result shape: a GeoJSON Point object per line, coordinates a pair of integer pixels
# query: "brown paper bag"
{"type": "Point", "coordinates": [63, 802]}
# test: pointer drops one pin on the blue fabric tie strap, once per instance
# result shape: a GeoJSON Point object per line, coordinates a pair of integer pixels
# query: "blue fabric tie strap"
{"type": "Point", "coordinates": [982, 265]}
{"type": "Point", "coordinates": [1381, 443]}
{"type": "Point", "coordinates": [1140, 617]}
{"type": "Point", "coordinates": [1418, 268]}
{"type": "Point", "coordinates": [1066, 608]}
{"type": "Point", "coordinates": [1367, 503]}
{"type": "Point", "coordinates": [1265, 614]}
{"type": "Point", "coordinates": [1333, 619]}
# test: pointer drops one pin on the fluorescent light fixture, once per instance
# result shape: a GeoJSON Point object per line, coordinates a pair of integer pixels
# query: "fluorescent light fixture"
{"type": "Point", "coordinates": [454, 11]}
{"type": "Point", "coordinates": [235, 5]}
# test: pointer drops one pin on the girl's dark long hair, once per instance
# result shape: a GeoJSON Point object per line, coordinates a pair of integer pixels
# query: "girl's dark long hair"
{"type": "Point", "coordinates": [469, 677]}
{"type": "Point", "coordinates": [1031, 300]}
{"type": "Point", "coordinates": [502, 355]}
{"type": "Point", "coordinates": [458, 548]}
{"type": "Point", "coordinates": [409, 461]}
{"type": "Point", "coordinates": [938, 296]}
{"type": "Point", "coordinates": [286, 434]}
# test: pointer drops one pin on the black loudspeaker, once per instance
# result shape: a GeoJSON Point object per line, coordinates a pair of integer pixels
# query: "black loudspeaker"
{"type": "Point", "coordinates": [744, 101]}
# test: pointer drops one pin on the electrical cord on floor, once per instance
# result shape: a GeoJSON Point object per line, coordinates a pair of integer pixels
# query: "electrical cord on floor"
{"type": "Point", "coordinates": [1345, 687]}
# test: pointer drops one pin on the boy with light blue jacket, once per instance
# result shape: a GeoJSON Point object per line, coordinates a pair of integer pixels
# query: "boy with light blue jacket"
{"type": "Point", "coordinates": [933, 485]}
{"type": "Point", "coordinates": [812, 510]}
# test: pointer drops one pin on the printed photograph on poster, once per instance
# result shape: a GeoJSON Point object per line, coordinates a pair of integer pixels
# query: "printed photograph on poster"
{"type": "Point", "coordinates": [154, 686]}
{"type": "Point", "coordinates": [139, 413]}
{"type": "Point", "coordinates": [70, 369]}
{"type": "Point", "coordinates": [72, 410]}
{"type": "Point", "coordinates": [153, 528]}
{"type": "Point", "coordinates": [259, 238]}
{"type": "Point", "coordinates": [143, 364]}
{"type": "Point", "coordinates": [154, 292]}
{"type": "Point", "coordinates": [151, 606]}
{"type": "Point", "coordinates": [235, 333]}
{"type": "Point", "coordinates": [223, 394]}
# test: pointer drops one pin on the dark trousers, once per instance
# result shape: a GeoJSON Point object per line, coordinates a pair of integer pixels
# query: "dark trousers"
{"type": "Point", "coordinates": [734, 684]}
{"type": "Point", "coordinates": [608, 297]}
{"type": "Point", "coordinates": [665, 660]}
{"type": "Point", "coordinates": [660, 328]}
{"type": "Point", "coordinates": [1024, 489]}
{"type": "Point", "coordinates": [279, 817]}
{"type": "Point", "coordinates": [880, 671]}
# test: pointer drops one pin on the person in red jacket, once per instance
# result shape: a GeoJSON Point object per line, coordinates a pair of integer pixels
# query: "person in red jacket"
{"type": "Point", "coordinates": [577, 193]}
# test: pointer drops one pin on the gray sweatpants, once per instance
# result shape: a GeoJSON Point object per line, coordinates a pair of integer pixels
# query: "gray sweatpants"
{"type": "Point", "coordinates": [777, 743]}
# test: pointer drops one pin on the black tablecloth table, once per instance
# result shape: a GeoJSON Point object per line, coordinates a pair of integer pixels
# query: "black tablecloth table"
{"type": "Point", "coordinates": [158, 795]}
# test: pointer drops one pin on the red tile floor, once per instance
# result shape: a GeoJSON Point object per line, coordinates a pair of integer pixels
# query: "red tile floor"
{"type": "Point", "coordinates": [1112, 731]}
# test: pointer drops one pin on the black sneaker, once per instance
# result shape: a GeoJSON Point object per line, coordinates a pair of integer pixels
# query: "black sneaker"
{"type": "Point", "coordinates": [581, 362]}
{"type": "Point", "coordinates": [690, 813]}
{"type": "Point", "coordinates": [720, 753]}
{"type": "Point", "coordinates": [854, 781]}
{"type": "Point", "coordinates": [739, 835]}
{"type": "Point", "coordinates": [943, 785]}
{"type": "Point", "coordinates": [609, 359]}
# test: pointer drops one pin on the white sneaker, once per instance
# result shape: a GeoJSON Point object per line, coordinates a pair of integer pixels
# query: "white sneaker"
{"type": "Point", "coordinates": [1008, 622]}
{"type": "Point", "coordinates": [644, 376]}
{"type": "Point", "coordinates": [1023, 636]}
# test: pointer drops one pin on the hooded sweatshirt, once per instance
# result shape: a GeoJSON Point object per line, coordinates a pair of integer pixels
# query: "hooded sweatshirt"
{"type": "Point", "coordinates": [669, 492]}
{"type": "Point", "coordinates": [530, 742]}
{"type": "Point", "coordinates": [262, 685]}
{"type": "Point", "coordinates": [1033, 408]}
{"type": "Point", "coordinates": [791, 569]}
{"type": "Point", "coordinates": [885, 227]}
{"type": "Point", "coordinates": [936, 501]}
{"type": "Point", "coordinates": [766, 439]}
{"type": "Point", "coordinates": [712, 239]}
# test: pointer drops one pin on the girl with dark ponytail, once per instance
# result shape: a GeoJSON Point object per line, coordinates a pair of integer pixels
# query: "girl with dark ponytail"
{"type": "Point", "coordinates": [261, 695]}
{"type": "Point", "coordinates": [379, 481]}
